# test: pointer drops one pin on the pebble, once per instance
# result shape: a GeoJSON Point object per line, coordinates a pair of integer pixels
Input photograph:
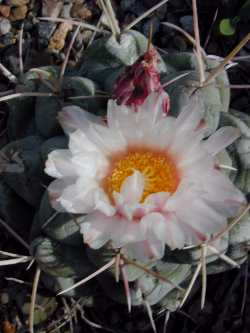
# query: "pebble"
{"type": "Point", "coordinates": [5, 26]}
{"type": "Point", "coordinates": [18, 13]}
{"type": "Point", "coordinates": [45, 29]}
{"type": "Point", "coordinates": [135, 7]}
{"type": "Point", "coordinates": [7, 40]}
{"type": "Point", "coordinates": [4, 298]}
{"type": "Point", "coordinates": [81, 11]}
{"type": "Point", "coordinates": [66, 10]}
{"type": "Point", "coordinates": [5, 10]}
{"type": "Point", "coordinates": [57, 41]}
{"type": "Point", "coordinates": [187, 23]}
{"type": "Point", "coordinates": [180, 43]}
{"type": "Point", "coordinates": [52, 8]}
{"type": "Point", "coordinates": [17, 3]}
{"type": "Point", "coordinates": [127, 4]}
{"type": "Point", "coordinates": [8, 327]}
{"type": "Point", "coordinates": [86, 35]}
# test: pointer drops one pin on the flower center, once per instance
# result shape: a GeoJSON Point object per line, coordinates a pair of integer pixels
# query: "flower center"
{"type": "Point", "coordinates": [159, 171]}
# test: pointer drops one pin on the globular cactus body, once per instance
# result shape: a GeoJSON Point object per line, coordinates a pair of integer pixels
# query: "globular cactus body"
{"type": "Point", "coordinates": [55, 239]}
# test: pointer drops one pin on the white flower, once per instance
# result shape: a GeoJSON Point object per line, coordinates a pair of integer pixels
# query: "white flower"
{"type": "Point", "coordinates": [143, 179]}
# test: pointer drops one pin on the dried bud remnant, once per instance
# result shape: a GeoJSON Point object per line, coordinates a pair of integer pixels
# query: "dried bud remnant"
{"type": "Point", "coordinates": [139, 80]}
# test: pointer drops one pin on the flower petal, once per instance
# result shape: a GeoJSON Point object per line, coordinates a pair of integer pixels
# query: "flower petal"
{"type": "Point", "coordinates": [79, 143]}
{"type": "Point", "coordinates": [190, 117]}
{"type": "Point", "coordinates": [152, 249]}
{"type": "Point", "coordinates": [55, 190]}
{"type": "Point", "coordinates": [72, 195]}
{"type": "Point", "coordinates": [102, 203]}
{"type": "Point", "coordinates": [73, 118]}
{"type": "Point", "coordinates": [91, 164]}
{"type": "Point", "coordinates": [152, 110]}
{"type": "Point", "coordinates": [139, 127]}
{"type": "Point", "coordinates": [132, 188]}
{"type": "Point", "coordinates": [59, 164]}
{"type": "Point", "coordinates": [96, 230]}
{"type": "Point", "coordinates": [221, 139]}
{"type": "Point", "coordinates": [123, 120]}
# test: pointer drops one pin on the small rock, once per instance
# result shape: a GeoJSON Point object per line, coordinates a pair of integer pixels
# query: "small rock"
{"type": "Point", "coordinates": [4, 298]}
{"type": "Point", "coordinates": [66, 11]}
{"type": "Point", "coordinates": [18, 13]}
{"type": "Point", "coordinates": [28, 26]}
{"type": "Point", "coordinates": [187, 23]}
{"type": "Point", "coordinates": [46, 29]}
{"type": "Point", "coordinates": [52, 8]}
{"type": "Point", "coordinates": [42, 44]}
{"type": "Point", "coordinates": [180, 43]}
{"type": "Point", "coordinates": [7, 326]}
{"type": "Point", "coordinates": [86, 35]}
{"type": "Point", "coordinates": [5, 10]}
{"type": "Point", "coordinates": [127, 4]}
{"type": "Point", "coordinates": [5, 26]}
{"type": "Point", "coordinates": [79, 42]}
{"type": "Point", "coordinates": [135, 7]}
{"type": "Point", "coordinates": [17, 3]}
{"type": "Point", "coordinates": [7, 39]}
{"type": "Point", "coordinates": [81, 11]}
{"type": "Point", "coordinates": [57, 41]}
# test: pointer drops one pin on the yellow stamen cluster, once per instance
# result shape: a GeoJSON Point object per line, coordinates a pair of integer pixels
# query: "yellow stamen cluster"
{"type": "Point", "coordinates": [158, 169]}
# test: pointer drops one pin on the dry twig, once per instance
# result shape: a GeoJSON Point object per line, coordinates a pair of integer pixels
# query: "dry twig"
{"type": "Point", "coordinates": [217, 70]}
{"type": "Point", "coordinates": [148, 271]}
{"type": "Point", "coordinates": [168, 83]}
{"type": "Point", "coordinates": [14, 234]}
{"type": "Point", "coordinates": [190, 286]}
{"type": "Point", "coordinates": [25, 94]}
{"type": "Point", "coordinates": [11, 77]}
{"type": "Point", "coordinates": [81, 24]}
{"type": "Point", "coordinates": [33, 300]}
{"type": "Point", "coordinates": [126, 287]}
{"type": "Point", "coordinates": [204, 274]}
{"type": "Point", "coordinates": [150, 315]}
{"type": "Point", "coordinates": [147, 13]}
{"type": "Point", "coordinates": [182, 31]}
{"type": "Point", "coordinates": [20, 50]}
{"type": "Point", "coordinates": [197, 43]}
{"type": "Point", "coordinates": [65, 62]}
{"type": "Point", "coordinates": [211, 29]}
{"type": "Point", "coordinates": [90, 277]}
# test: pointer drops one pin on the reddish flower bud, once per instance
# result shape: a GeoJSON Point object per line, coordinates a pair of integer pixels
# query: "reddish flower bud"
{"type": "Point", "coordinates": [139, 80]}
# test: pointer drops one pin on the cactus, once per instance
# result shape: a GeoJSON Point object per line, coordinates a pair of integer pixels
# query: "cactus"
{"type": "Point", "coordinates": [55, 240]}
